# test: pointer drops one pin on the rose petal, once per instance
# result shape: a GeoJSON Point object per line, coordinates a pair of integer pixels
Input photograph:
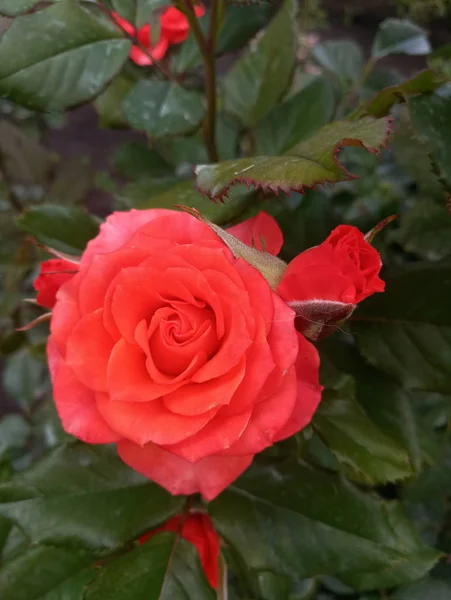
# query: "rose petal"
{"type": "Point", "coordinates": [261, 232]}
{"type": "Point", "coordinates": [282, 338]}
{"type": "Point", "coordinates": [196, 398]}
{"type": "Point", "coordinates": [259, 365]}
{"type": "Point", "coordinates": [144, 422]}
{"type": "Point", "coordinates": [179, 227]}
{"type": "Point", "coordinates": [118, 229]}
{"type": "Point", "coordinates": [218, 435]}
{"type": "Point", "coordinates": [153, 53]}
{"type": "Point", "coordinates": [308, 389]}
{"type": "Point", "coordinates": [128, 377]}
{"type": "Point", "coordinates": [66, 313]}
{"type": "Point", "coordinates": [88, 350]}
{"type": "Point", "coordinates": [100, 273]}
{"type": "Point", "coordinates": [76, 404]}
{"type": "Point", "coordinates": [268, 418]}
{"type": "Point", "coordinates": [209, 476]}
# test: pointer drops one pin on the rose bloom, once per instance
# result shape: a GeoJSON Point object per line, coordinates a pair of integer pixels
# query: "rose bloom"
{"type": "Point", "coordinates": [143, 34]}
{"type": "Point", "coordinates": [167, 344]}
{"type": "Point", "coordinates": [198, 529]}
{"type": "Point", "coordinates": [324, 284]}
{"type": "Point", "coordinates": [174, 24]}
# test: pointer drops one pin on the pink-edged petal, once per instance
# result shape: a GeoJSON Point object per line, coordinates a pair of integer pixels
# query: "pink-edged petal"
{"type": "Point", "coordinates": [197, 398]}
{"type": "Point", "coordinates": [179, 227]}
{"type": "Point", "coordinates": [128, 377]}
{"type": "Point", "coordinates": [66, 313]}
{"type": "Point", "coordinates": [100, 273]}
{"type": "Point", "coordinates": [218, 435]}
{"type": "Point", "coordinates": [76, 403]}
{"type": "Point", "coordinates": [144, 422]}
{"type": "Point", "coordinates": [308, 389]}
{"type": "Point", "coordinates": [261, 232]}
{"type": "Point", "coordinates": [118, 229]}
{"type": "Point", "coordinates": [268, 418]}
{"type": "Point", "coordinates": [209, 476]}
{"type": "Point", "coordinates": [88, 350]}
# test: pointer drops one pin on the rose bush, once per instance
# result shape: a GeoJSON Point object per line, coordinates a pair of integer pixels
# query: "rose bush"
{"type": "Point", "coordinates": [198, 529]}
{"type": "Point", "coordinates": [183, 340]}
{"type": "Point", "coordinates": [167, 344]}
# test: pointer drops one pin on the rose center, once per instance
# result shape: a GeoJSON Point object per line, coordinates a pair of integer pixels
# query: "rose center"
{"type": "Point", "coordinates": [179, 333]}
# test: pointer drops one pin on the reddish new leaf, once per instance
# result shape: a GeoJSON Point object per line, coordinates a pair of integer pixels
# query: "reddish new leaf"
{"type": "Point", "coordinates": [311, 162]}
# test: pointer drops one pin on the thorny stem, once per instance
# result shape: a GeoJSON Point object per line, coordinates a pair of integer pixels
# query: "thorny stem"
{"type": "Point", "coordinates": [207, 47]}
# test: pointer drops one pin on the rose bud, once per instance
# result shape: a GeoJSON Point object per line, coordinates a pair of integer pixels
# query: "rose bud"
{"type": "Point", "coordinates": [177, 348]}
{"type": "Point", "coordinates": [324, 284]}
{"type": "Point", "coordinates": [53, 273]}
{"type": "Point", "coordinates": [174, 24]}
{"type": "Point", "coordinates": [198, 529]}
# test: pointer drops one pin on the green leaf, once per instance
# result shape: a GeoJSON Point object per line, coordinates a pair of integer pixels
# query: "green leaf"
{"type": "Point", "coordinates": [163, 108]}
{"type": "Point", "coordinates": [72, 182]}
{"type": "Point", "coordinates": [426, 498]}
{"type": "Point", "coordinates": [431, 120]}
{"type": "Point", "coordinates": [311, 162]}
{"type": "Point", "coordinates": [296, 119]}
{"type": "Point", "coordinates": [24, 160]}
{"type": "Point", "coordinates": [429, 589]}
{"type": "Point", "coordinates": [188, 150]}
{"type": "Point", "coordinates": [387, 404]}
{"type": "Point", "coordinates": [14, 433]}
{"type": "Point", "coordinates": [46, 573]}
{"type": "Point", "coordinates": [397, 36]}
{"type": "Point", "coordinates": [413, 156]}
{"type": "Point", "coordinates": [270, 520]}
{"type": "Point", "coordinates": [133, 160]}
{"type": "Point", "coordinates": [241, 24]}
{"type": "Point", "coordinates": [164, 568]}
{"type": "Point", "coordinates": [406, 331]}
{"type": "Point", "coordinates": [25, 378]}
{"type": "Point", "coordinates": [138, 12]}
{"type": "Point", "coordinates": [189, 56]}
{"type": "Point", "coordinates": [378, 80]}
{"type": "Point", "coordinates": [343, 58]}
{"type": "Point", "coordinates": [109, 104]}
{"type": "Point", "coordinates": [367, 455]}
{"type": "Point", "coordinates": [426, 231]}
{"type": "Point", "coordinates": [145, 195]}
{"type": "Point", "coordinates": [59, 57]}
{"type": "Point", "coordinates": [259, 78]}
{"type": "Point", "coordinates": [85, 496]}
{"type": "Point", "coordinates": [11, 8]}
{"type": "Point", "coordinates": [380, 105]}
{"type": "Point", "coordinates": [65, 228]}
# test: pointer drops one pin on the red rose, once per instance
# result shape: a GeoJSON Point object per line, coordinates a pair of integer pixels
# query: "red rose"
{"type": "Point", "coordinates": [169, 345]}
{"type": "Point", "coordinates": [324, 284]}
{"type": "Point", "coordinates": [53, 273]}
{"type": "Point", "coordinates": [137, 54]}
{"type": "Point", "coordinates": [174, 24]}
{"type": "Point", "coordinates": [198, 529]}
